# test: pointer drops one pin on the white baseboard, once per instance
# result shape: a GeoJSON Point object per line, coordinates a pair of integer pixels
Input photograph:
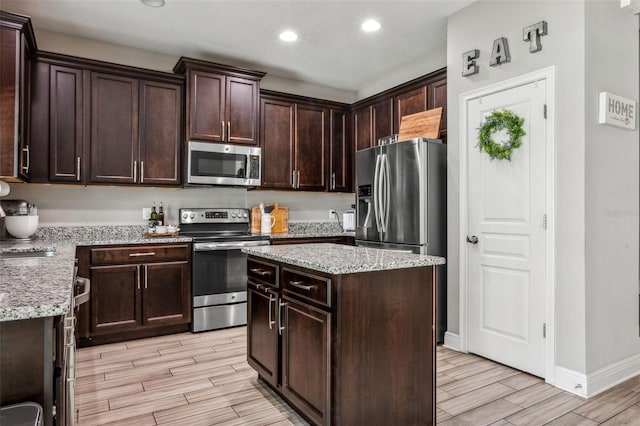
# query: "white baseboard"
{"type": "Point", "coordinates": [452, 341]}
{"type": "Point", "coordinates": [590, 385]}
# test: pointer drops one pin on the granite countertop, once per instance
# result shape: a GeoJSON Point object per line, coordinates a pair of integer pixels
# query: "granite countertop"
{"type": "Point", "coordinates": [342, 259]}
{"type": "Point", "coordinates": [36, 287]}
{"type": "Point", "coordinates": [318, 234]}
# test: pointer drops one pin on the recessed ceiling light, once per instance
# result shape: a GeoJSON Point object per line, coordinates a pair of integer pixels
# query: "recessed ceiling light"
{"type": "Point", "coordinates": [153, 3]}
{"type": "Point", "coordinates": [370, 25]}
{"type": "Point", "coordinates": [288, 35]}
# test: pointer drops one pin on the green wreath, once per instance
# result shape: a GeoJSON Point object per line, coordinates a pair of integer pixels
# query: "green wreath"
{"type": "Point", "coordinates": [501, 120]}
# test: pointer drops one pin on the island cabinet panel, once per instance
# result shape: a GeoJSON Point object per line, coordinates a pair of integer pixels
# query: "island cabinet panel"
{"type": "Point", "coordinates": [136, 291]}
{"type": "Point", "coordinates": [306, 361]}
{"type": "Point", "coordinates": [353, 348]}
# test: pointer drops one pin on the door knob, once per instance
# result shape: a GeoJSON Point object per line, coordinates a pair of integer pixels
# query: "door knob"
{"type": "Point", "coordinates": [472, 239]}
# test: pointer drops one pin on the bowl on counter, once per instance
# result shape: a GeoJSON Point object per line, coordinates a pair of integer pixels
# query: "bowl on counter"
{"type": "Point", "coordinates": [21, 226]}
{"type": "Point", "coordinates": [161, 229]}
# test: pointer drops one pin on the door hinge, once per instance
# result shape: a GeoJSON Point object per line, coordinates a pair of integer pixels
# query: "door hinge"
{"type": "Point", "coordinates": [545, 111]}
{"type": "Point", "coordinates": [544, 221]}
{"type": "Point", "coordinates": [544, 330]}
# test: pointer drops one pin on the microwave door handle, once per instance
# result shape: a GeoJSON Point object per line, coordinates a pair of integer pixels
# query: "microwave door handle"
{"type": "Point", "coordinates": [247, 173]}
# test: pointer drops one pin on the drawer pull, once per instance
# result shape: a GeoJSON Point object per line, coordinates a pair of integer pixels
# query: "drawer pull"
{"type": "Point", "coordinates": [299, 284]}
{"type": "Point", "coordinates": [260, 272]}
{"type": "Point", "coordinates": [147, 253]}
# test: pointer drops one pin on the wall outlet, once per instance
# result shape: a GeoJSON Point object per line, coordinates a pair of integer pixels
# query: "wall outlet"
{"type": "Point", "coordinates": [146, 212]}
{"type": "Point", "coordinates": [332, 213]}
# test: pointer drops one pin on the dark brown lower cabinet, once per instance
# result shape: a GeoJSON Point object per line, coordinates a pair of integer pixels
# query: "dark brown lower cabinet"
{"type": "Point", "coordinates": [136, 291]}
{"type": "Point", "coordinates": [345, 349]}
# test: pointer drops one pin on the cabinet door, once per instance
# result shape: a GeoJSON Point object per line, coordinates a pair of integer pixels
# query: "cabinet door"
{"type": "Point", "coordinates": [311, 147]}
{"type": "Point", "coordinates": [362, 128]}
{"type": "Point", "coordinates": [160, 116]}
{"type": "Point", "coordinates": [306, 362]}
{"type": "Point", "coordinates": [340, 160]}
{"type": "Point", "coordinates": [65, 124]}
{"type": "Point", "coordinates": [438, 98]}
{"type": "Point", "coordinates": [206, 106]}
{"type": "Point", "coordinates": [9, 101]}
{"type": "Point", "coordinates": [166, 297]}
{"type": "Point", "coordinates": [408, 103]}
{"type": "Point", "coordinates": [382, 113]}
{"type": "Point", "coordinates": [115, 298]}
{"type": "Point", "coordinates": [276, 140]}
{"type": "Point", "coordinates": [114, 129]}
{"type": "Point", "coordinates": [262, 332]}
{"type": "Point", "coordinates": [241, 111]}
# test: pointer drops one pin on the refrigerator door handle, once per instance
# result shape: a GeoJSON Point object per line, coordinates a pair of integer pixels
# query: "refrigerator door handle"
{"type": "Point", "coordinates": [387, 192]}
{"type": "Point", "coordinates": [376, 191]}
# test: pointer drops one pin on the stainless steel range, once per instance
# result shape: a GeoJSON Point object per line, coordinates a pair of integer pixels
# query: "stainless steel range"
{"type": "Point", "coordinates": [218, 271]}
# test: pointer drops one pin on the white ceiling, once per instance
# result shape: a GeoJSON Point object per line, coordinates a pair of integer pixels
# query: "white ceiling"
{"type": "Point", "coordinates": [332, 51]}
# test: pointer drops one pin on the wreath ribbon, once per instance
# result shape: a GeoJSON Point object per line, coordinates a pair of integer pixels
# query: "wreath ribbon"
{"type": "Point", "coordinates": [496, 121]}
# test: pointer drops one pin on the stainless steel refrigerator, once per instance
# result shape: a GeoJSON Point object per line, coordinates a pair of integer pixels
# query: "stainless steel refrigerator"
{"type": "Point", "coordinates": [402, 204]}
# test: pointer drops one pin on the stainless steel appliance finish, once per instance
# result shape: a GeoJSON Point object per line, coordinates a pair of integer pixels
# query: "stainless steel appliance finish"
{"type": "Point", "coordinates": [66, 360]}
{"type": "Point", "coordinates": [219, 280]}
{"type": "Point", "coordinates": [401, 203]}
{"type": "Point", "coordinates": [220, 164]}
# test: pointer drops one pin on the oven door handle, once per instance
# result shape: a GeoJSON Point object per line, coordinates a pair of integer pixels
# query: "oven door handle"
{"type": "Point", "coordinates": [228, 245]}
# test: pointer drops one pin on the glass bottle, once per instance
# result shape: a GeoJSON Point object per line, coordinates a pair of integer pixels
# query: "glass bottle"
{"type": "Point", "coordinates": [161, 215]}
{"type": "Point", "coordinates": [154, 215]}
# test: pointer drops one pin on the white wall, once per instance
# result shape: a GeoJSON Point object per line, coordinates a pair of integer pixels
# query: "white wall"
{"type": "Point", "coordinates": [594, 45]}
{"type": "Point", "coordinates": [612, 189]}
{"type": "Point", "coordinates": [65, 205]}
{"type": "Point", "coordinates": [476, 27]}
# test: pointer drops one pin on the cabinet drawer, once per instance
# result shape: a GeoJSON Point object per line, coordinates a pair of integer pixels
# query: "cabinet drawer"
{"type": "Point", "coordinates": [264, 272]}
{"type": "Point", "coordinates": [307, 286]}
{"type": "Point", "coordinates": [139, 254]}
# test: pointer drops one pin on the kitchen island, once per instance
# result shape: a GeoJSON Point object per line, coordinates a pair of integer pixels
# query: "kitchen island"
{"type": "Point", "coordinates": [345, 334]}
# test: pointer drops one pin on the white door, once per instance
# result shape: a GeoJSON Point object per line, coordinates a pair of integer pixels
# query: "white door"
{"type": "Point", "coordinates": [506, 212]}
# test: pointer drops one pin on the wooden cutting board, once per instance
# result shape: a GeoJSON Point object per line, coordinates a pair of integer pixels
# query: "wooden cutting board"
{"type": "Point", "coordinates": [424, 124]}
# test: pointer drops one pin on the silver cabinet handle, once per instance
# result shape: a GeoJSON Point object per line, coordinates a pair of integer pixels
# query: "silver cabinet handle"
{"type": "Point", "coordinates": [333, 181]}
{"type": "Point", "coordinates": [147, 253]}
{"type": "Point", "coordinates": [78, 169]}
{"type": "Point", "coordinates": [280, 326]}
{"type": "Point", "coordinates": [293, 179]}
{"type": "Point", "coordinates": [141, 171]}
{"type": "Point", "coordinates": [272, 299]}
{"type": "Point", "coordinates": [261, 272]}
{"type": "Point", "coordinates": [298, 178]}
{"type": "Point", "coordinates": [84, 296]}
{"type": "Point", "coordinates": [223, 133]}
{"type": "Point", "coordinates": [135, 171]}
{"type": "Point", "coordinates": [299, 284]}
{"type": "Point", "coordinates": [146, 276]}
{"type": "Point", "coordinates": [26, 150]}
{"type": "Point", "coordinates": [138, 276]}
{"type": "Point", "coordinates": [472, 239]}
{"type": "Point", "coordinates": [228, 131]}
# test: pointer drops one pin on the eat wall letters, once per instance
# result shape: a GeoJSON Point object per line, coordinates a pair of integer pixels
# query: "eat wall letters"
{"type": "Point", "coordinates": [500, 51]}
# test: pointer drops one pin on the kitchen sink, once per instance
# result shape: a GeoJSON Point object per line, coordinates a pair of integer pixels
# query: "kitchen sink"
{"type": "Point", "coordinates": [26, 254]}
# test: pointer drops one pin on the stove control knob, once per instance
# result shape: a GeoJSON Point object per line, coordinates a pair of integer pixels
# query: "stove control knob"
{"type": "Point", "coordinates": [185, 216]}
{"type": "Point", "coordinates": [192, 215]}
{"type": "Point", "coordinates": [233, 215]}
{"type": "Point", "coordinates": [245, 215]}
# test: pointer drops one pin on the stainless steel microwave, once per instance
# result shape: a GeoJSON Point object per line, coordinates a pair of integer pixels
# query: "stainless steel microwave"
{"type": "Point", "coordinates": [223, 164]}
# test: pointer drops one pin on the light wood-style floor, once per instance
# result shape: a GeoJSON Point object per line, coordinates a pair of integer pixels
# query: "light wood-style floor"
{"type": "Point", "coordinates": [203, 379]}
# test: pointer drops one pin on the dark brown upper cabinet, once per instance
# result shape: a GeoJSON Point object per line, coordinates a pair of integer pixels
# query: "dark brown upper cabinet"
{"type": "Point", "coordinates": [304, 142]}
{"type": "Point", "coordinates": [380, 115]}
{"type": "Point", "coordinates": [96, 122]}
{"type": "Point", "coordinates": [222, 102]}
{"type": "Point", "coordinates": [17, 44]}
